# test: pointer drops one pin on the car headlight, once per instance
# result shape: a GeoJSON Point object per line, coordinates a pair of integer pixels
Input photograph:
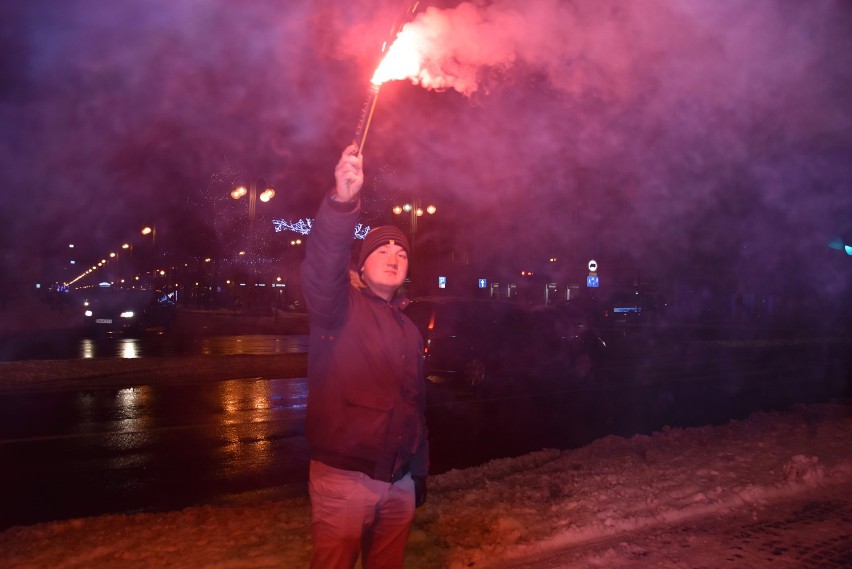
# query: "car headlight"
{"type": "Point", "coordinates": [88, 313]}
{"type": "Point", "coordinates": [127, 314]}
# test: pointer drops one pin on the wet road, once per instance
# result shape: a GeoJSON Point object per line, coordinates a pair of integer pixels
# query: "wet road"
{"type": "Point", "coordinates": [75, 453]}
{"type": "Point", "coordinates": [166, 446]}
{"type": "Point", "coordinates": [150, 448]}
{"type": "Point", "coordinates": [70, 344]}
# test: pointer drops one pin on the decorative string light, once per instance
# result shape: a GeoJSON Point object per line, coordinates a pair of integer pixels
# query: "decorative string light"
{"type": "Point", "coordinates": [303, 227]}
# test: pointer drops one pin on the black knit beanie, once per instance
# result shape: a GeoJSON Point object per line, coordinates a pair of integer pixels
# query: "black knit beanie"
{"type": "Point", "coordinates": [382, 235]}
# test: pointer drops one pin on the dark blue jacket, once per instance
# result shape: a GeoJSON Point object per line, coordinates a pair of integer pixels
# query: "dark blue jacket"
{"type": "Point", "coordinates": [366, 395]}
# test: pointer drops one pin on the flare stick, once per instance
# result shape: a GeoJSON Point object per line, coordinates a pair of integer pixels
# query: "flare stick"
{"type": "Point", "coordinates": [373, 95]}
{"type": "Point", "coordinates": [366, 117]}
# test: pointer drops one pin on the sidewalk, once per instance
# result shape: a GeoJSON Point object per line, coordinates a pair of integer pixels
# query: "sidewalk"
{"type": "Point", "coordinates": [808, 531]}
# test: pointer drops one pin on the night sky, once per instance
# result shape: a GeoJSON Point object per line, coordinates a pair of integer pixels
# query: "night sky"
{"type": "Point", "coordinates": [683, 135]}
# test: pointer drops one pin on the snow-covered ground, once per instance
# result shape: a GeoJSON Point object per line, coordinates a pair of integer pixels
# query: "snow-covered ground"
{"type": "Point", "coordinates": [504, 512]}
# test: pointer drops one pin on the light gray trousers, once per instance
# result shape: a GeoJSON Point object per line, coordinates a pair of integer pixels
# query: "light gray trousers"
{"type": "Point", "coordinates": [352, 515]}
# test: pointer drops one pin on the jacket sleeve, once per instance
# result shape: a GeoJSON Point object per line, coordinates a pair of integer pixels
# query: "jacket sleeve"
{"type": "Point", "coordinates": [420, 459]}
{"type": "Point", "coordinates": [325, 270]}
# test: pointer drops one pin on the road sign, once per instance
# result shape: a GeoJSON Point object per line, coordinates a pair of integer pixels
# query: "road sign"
{"type": "Point", "coordinates": [626, 309]}
{"type": "Point", "coordinates": [483, 283]}
{"type": "Point", "coordinates": [593, 266]}
{"type": "Point", "coordinates": [593, 281]}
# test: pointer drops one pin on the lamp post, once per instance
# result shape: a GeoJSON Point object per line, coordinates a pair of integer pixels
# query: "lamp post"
{"type": "Point", "coordinates": [152, 231]}
{"type": "Point", "coordinates": [241, 191]}
{"type": "Point", "coordinates": [265, 196]}
{"type": "Point", "coordinates": [415, 212]}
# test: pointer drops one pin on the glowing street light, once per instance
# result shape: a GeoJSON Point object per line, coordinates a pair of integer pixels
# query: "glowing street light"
{"type": "Point", "coordinates": [265, 196]}
{"type": "Point", "coordinates": [415, 211]}
{"type": "Point", "coordinates": [152, 231]}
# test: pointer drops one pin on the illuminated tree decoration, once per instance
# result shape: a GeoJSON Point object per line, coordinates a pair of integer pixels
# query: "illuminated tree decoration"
{"type": "Point", "coordinates": [303, 226]}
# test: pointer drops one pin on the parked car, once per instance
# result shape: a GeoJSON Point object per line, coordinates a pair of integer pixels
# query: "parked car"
{"type": "Point", "coordinates": [467, 341]}
{"type": "Point", "coordinates": [475, 342]}
{"type": "Point", "coordinates": [109, 310]}
{"type": "Point", "coordinates": [571, 340]}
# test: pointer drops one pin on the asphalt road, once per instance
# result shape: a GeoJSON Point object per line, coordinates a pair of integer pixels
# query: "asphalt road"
{"type": "Point", "coordinates": [74, 453]}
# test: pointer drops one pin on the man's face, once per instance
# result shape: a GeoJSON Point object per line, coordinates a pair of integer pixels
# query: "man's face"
{"type": "Point", "coordinates": [385, 270]}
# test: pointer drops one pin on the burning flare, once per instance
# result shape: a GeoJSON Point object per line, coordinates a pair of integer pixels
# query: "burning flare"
{"type": "Point", "coordinates": [448, 49]}
{"type": "Point", "coordinates": [404, 59]}
{"type": "Point", "coordinates": [370, 103]}
{"type": "Point", "coordinates": [445, 49]}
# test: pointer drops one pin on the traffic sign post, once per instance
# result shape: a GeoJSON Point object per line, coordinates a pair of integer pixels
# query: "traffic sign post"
{"type": "Point", "coordinates": [593, 281]}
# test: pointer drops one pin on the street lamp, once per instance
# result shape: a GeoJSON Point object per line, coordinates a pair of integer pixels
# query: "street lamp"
{"type": "Point", "coordinates": [265, 196]}
{"type": "Point", "coordinates": [415, 212]}
{"type": "Point", "coordinates": [152, 231]}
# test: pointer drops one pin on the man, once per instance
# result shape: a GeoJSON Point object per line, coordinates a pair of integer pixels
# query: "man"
{"type": "Point", "coordinates": [365, 416]}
